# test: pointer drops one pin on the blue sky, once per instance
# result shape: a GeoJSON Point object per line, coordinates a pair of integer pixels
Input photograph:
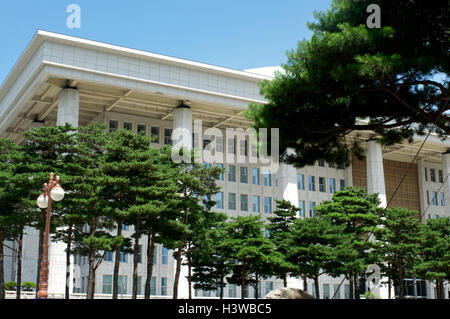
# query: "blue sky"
{"type": "Point", "coordinates": [231, 33]}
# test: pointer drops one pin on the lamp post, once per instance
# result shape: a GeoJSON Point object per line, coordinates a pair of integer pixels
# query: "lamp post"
{"type": "Point", "coordinates": [50, 191]}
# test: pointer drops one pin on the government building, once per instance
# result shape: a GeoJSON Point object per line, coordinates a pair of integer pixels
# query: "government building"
{"type": "Point", "coordinates": [62, 79]}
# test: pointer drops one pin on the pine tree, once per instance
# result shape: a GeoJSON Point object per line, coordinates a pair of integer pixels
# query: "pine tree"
{"type": "Point", "coordinates": [434, 261]}
{"type": "Point", "coordinates": [279, 228]}
{"type": "Point", "coordinates": [359, 212]}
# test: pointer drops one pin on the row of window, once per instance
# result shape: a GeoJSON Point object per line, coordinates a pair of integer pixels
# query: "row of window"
{"type": "Point", "coordinates": [244, 175]}
{"type": "Point", "coordinates": [232, 291]}
{"type": "Point", "coordinates": [122, 285]}
{"type": "Point", "coordinates": [322, 184]}
{"type": "Point", "coordinates": [326, 293]}
{"type": "Point", "coordinates": [80, 260]}
{"type": "Point", "coordinates": [433, 175]}
{"type": "Point", "coordinates": [435, 200]}
{"type": "Point", "coordinates": [244, 202]}
{"type": "Point", "coordinates": [142, 129]}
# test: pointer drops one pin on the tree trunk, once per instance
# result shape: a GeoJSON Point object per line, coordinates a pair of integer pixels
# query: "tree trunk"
{"type": "Point", "coordinates": [178, 270]}
{"type": "Point", "coordinates": [389, 287]}
{"type": "Point", "coordinates": [117, 262]}
{"type": "Point", "coordinates": [91, 277]}
{"type": "Point", "coordinates": [190, 277]}
{"type": "Point", "coordinates": [150, 251]}
{"type": "Point", "coordinates": [350, 282]}
{"type": "Point", "coordinates": [2, 275]}
{"type": "Point", "coordinates": [41, 247]}
{"type": "Point", "coordinates": [221, 285]}
{"type": "Point", "coordinates": [243, 278]}
{"type": "Point", "coordinates": [316, 286]}
{"type": "Point", "coordinates": [305, 283]}
{"type": "Point", "coordinates": [285, 280]}
{"type": "Point", "coordinates": [135, 257]}
{"type": "Point", "coordinates": [68, 253]}
{"type": "Point", "coordinates": [400, 283]}
{"type": "Point", "coordinates": [356, 282]}
{"type": "Point", "coordinates": [19, 264]}
{"type": "Point", "coordinates": [256, 286]}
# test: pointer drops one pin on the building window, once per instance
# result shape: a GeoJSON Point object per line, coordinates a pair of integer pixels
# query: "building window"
{"type": "Point", "coordinates": [167, 136]}
{"type": "Point", "coordinates": [301, 206]}
{"type": "Point", "coordinates": [128, 126]}
{"type": "Point", "coordinates": [231, 291]}
{"type": "Point", "coordinates": [107, 284]}
{"type": "Point", "coordinates": [154, 255]}
{"type": "Point", "coordinates": [139, 285]}
{"type": "Point", "coordinates": [244, 175]}
{"type": "Point", "coordinates": [244, 202]}
{"type": "Point", "coordinates": [254, 151]}
{"type": "Point", "coordinates": [123, 257]}
{"type": "Point", "coordinates": [276, 179]}
{"type": "Point", "coordinates": [268, 205]}
{"type": "Point", "coordinates": [163, 286]}
{"type": "Point", "coordinates": [347, 291]}
{"type": "Point", "coordinates": [313, 290]}
{"type": "Point", "coordinates": [122, 285]}
{"type": "Point", "coordinates": [153, 286]}
{"type": "Point", "coordinates": [255, 176]}
{"type": "Point", "coordinates": [139, 254]}
{"type": "Point", "coordinates": [321, 163]}
{"type": "Point", "coordinates": [108, 256]}
{"type": "Point", "coordinates": [113, 125]}
{"type": "Point", "coordinates": [207, 142]}
{"type": "Point", "coordinates": [231, 146]}
{"type": "Point", "coordinates": [220, 178]}
{"type": "Point", "coordinates": [337, 291]}
{"type": "Point", "coordinates": [243, 147]}
{"type": "Point", "coordinates": [311, 208]}
{"type": "Point", "coordinates": [164, 256]}
{"type": "Point", "coordinates": [435, 200]}
{"type": "Point", "coordinates": [341, 166]}
{"type": "Point", "coordinates": [301, 181]}
{"type": "Point", "coordinates": [142, 129]}
{"type": "Point", "coordinates": [231, 173]}
{"type": "Point", "coordinates": [255, 204]}
{"type": "Point", "coordinates": [432, 174]}
{"type": "Point", "coordinates": [219, 144]}
{"type": "Point", "coordinates": [322, 186]}
{"type": "Point", "coordinates": [441, 176]}
{"type": "Point", "coordinates": [155, 134]}
{"type": "Point", "coordinates": [125, 226]}
{"type": "Point", "coordinates": [269, 286]}
{"type": "Point", "coordinates": [219, 200]}
{"type": "Point", "coordinates": [331, 165]}
{"type": "Point", "coordinates": [326, 291]}
{"type": "Point", "coordinates": [332, 185]}
{"type": "Point", "coordinates": [442, 199]}
{"type": "Point", "coordinates": [311, 183]}
{"type": "Point", "coordinates": [232, 201]}
{"type": "Point", "coordinates": [342, 184]}
{"type": "Point", "coordinates": [267, 179]}
{"type": "Point", "coordinates": [426, 174]}
{"type": "Point", "coordinates": [428, 197]}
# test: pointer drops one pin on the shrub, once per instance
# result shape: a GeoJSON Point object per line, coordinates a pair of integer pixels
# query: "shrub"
{"type": "Point", "coordinates": [369, 295]}
{"type": "Point", "coordinates": [28, 285]}
{"type": "Point", "coordinates": [10, 285]}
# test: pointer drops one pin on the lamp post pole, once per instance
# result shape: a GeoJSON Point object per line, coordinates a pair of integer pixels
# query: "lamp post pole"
{"type": "Point", "coordinates": [43, 275]}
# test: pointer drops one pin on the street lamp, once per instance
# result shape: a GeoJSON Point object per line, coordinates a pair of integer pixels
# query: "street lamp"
{"type": "Point", "coordinates": [50, 191]}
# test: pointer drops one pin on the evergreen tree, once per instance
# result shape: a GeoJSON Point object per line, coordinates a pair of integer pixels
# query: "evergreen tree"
{"type": "Point", "coordinates": [359, 213]}
{"type": "Point", "coordinates": [255, 255]}
{"type": "Point", "coordinates": [434, 261]}
{"type": "Point", "coordinates": [400, 239]}
{"type": "Point", "coordinates": [279, 230]}
{"type": "Point", "coordinates": [347, 72]}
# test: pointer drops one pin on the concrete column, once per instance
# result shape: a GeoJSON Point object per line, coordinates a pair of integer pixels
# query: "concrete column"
{"type": "Point", "coordinates": [182, 126]}
{"type": "Point", "coordinates": [423, 199]}
{"type": "Point", "coordinates": [68, 107]}
{"type": "Point", "coordinates": [446, 187]}
{"type": "Point", "coordinates": [182, 137]}
{"type": "Point", "coordinates": [375, 171]}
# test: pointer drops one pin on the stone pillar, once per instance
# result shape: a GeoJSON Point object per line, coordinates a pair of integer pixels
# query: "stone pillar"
{"type": "Point", "coordinates": [182, 133]}
{"type": "Point", "coordinates": [446, 187]}
{"type": "Point", "coordinates": [68, 107]}
{"type": "Point", "coordinates": [182, 122]}
{"type": "Point", "coordinates": [375, 171]}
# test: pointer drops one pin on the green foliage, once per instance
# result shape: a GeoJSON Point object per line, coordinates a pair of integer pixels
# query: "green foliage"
{"type": "Point", "coordinates": [28, 285]}
{"type": "Point", "coordinates": [10, 285]}
{"type": "Point", "coordinates": [347, 72]}
{"type": "Point", "coordinates": [369, 295]}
